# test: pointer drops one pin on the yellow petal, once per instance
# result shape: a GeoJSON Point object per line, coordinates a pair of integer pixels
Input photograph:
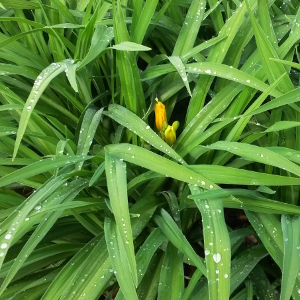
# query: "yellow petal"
{"type": "Point", "coordinates": [160, 115]}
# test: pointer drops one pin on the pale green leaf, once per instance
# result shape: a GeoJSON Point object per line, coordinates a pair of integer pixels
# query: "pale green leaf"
{"type": "Point", "coordinates": [130, 46]}
{"type": "Point", "coordinates": [291, 256]}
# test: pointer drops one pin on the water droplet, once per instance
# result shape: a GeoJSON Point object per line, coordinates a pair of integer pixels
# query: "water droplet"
{"type": "Point", "coordinates": [3, 246]}
{"type": "Point", "coordinates": [8, 236]}
{"type": "Point", "coordinates": [217, 257]}
{"type": "Point", "coordinates": [206, 252]}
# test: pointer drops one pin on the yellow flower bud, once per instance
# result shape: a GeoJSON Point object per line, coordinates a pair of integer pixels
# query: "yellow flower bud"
{"type": "Point", "coordinates": [175, 125]}
{"type": "Point", "coordinates": [170, 135]}
{"type": "Point", "coordinates": [160, 114]}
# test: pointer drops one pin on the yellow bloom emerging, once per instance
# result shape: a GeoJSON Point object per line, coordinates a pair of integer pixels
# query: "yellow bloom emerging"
{"type": "Point", "coordinates": [170, 135]}
{"type": "Point", "coordinates": [160, 114]}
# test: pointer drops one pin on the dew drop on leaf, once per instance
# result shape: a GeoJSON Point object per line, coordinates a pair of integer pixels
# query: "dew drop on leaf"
{"type": "Point", "coordinates": [217, 257]}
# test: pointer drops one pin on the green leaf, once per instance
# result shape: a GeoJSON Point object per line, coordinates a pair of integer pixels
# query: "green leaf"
{"type": "Point", "coordinates": [257, 204]}
{"type": "Point", "coordinates": [228, 72]}
{"type": "Point", "coordinates": [71, 74]}
{"type": "Point", "coordinates": [217, 55]}
{"type": "Point", "coordinates": [239, 127]}
{"type": "Point", "coordinates": [282, 125]}
{"type": "Point", "coordinates": [288, 153]}
{"type": "Point", "coordinates": [291, 257]}
{"type": "Point", "coordinates": [219, 193]}
{"type": "Point", "coordinates": [40, 167]}
{"type": "Point", "coordinates": [269, 229]}
{"type": "Point", "coordinates": [241, 266]}
{"type": "Point", "coordinates": [15, 221]}
{"type": "Point", "coordinates": [270, 233]}
{"type": "Point", "coordinates": [171, 281]}
{"type": "Point", "coordinates": [147, 250]}
{"type": "Point", "coordinates": [20, 4]}
{"type": "Point", "coordinates": [72, 205]}
{"type": "Point", "coordinates": [201, 47]}
{"type": "Point", "coordinates": [145, 208]}
{"type": "Point", "coordinates": [244, 263]}
{"type": "Point", "coordinates": [115, 170]}
{"type": "Point", "coordinates": [249, 287]}
{"type": "Point", "coordinates": [286, 62]}
{"type": "Point", "coordinates": [138, 180]}
{"type": "Point", "coordinates": [174, 206]}
{"type": "Point", "coordinates": [118, 258]}
{"type": "Point", "coordinates": [97, 173]}
{"type": "Point", "coordinates": [263, 287]}
{"type": "Point", "coordinates": [177, 63]}
{"type": "Point", "coordinates": [144, 21]}
{"type": "Point", "coordinates": [64, 11]}
{"type": "Point", "coordinates": [87, 132]}
{"type": "Point", "coordinates": [85, 36]}
{"type": "Point", "coordinates": [288, 98]}
{"type": "Point", "coordinates": [69, 194]}
{"type": "Point", "coordinates": [190, 28]}
{"type": "Point", "coordinates": [192, 284]}
{"type": "Point", "coordinates": [217, 246]}
{"type": "Point", "coordinates": [146, 254]}
{"type": "Point", "coordinates": [229, 175]}
{"type": "Point", "coordinates": [238, 236]}
{"type": "Point", "coordinates": [266, 50]}
{"type": "Point", "coordinates": [176, 237]}
{"type": "Point", "coordinates": [147, 290]}
{"type": "Point", "coordinates": [91, 271]}
{"type": "Point", "coordinates": [157, 163]}
{"type": "Point", "coordinates": [40, 85]}
{"type": "Point", "coordinates": [66, 25]}
{"type": "Point", "coordinates": [130, 46]}
{"type": "Point", "coordinates": [101, 38]}
{"type": "Point", "coordinates": [257, 154]}
{"type": "Point", "coordinates": [127, 66]}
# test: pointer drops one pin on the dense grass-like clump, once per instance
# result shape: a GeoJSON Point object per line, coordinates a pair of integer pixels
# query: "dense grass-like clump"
{"type": "Point", "coordinates": [96, 202]}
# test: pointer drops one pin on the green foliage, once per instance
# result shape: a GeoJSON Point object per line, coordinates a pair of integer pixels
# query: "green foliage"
{"type": "Point", "coordinates": [95, 204]}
